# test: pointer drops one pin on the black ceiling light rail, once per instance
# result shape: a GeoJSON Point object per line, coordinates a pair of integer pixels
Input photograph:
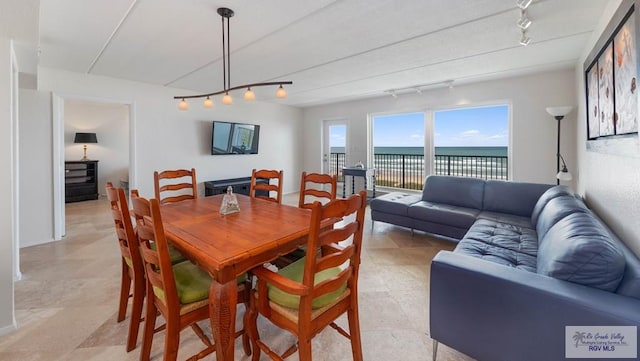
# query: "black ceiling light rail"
{"type": "Point", "coordinates": [225, 15]}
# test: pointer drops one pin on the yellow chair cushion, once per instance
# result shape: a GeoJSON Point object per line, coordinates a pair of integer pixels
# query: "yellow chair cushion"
{"type": "Point", "coordinates": [295, 272]}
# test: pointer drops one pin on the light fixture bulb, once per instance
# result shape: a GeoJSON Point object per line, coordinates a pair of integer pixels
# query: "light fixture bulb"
{"type": "Point", "coordinates": [226, 99]}
{"type": "Point", "coordinates": [564, 174]}
{"type": "Point", "coordinates": [249, 95]}
{"type": "Point", "coordinates": [208, 103]}
{"type": "Point", "coordinates": [281, 93]}
{"type": "Point", "coordinates": [183, 105]}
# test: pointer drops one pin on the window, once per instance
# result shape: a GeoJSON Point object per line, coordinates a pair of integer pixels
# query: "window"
{"type": "Point", "coordinates": [472, 142]}
{"type": "Point", "coordinates": [398, 150]}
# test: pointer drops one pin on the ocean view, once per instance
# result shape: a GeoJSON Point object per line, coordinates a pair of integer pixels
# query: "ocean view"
{"type": "Point", "coordinates": [457, 151]}
{"type": "Point", "coordinates": [404, 167]}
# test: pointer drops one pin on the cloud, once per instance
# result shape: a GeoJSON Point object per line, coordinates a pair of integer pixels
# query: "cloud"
{"type": "Point", "coordinates": [470, 133]}
{"type": "Point", "coordinates": [497, 136]}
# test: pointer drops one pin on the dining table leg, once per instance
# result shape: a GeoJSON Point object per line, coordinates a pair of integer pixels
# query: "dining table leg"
{"type": "Point", "coordinates": [222, 309]}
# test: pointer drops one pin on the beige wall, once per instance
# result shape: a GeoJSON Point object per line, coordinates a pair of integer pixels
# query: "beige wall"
{"type": "Point", "coordinates": [610, 183]}
{"type": "Point", "coordinates": [7, 322]}
{"type": "Point", "coordinates": [166, 138]}
{"type": "Point", "coordinates": [36, 179]}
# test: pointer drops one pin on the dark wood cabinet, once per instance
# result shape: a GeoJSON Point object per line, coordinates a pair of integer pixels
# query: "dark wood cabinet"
{"type": "Point", "coordinates": [239, 185]}
{"type": "Point", "coordinates": [81, 180]}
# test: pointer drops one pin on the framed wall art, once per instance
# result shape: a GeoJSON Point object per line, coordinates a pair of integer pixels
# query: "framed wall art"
{"type": "Point", "coordinates": [611, 72]}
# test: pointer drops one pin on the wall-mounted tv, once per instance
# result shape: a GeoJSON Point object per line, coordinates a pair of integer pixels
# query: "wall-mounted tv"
{"type": "Point", "coordinates": [234, 138]}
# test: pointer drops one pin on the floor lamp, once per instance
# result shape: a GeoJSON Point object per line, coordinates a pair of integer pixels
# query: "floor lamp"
{"type": "Point", "coordinates": [559, 113]}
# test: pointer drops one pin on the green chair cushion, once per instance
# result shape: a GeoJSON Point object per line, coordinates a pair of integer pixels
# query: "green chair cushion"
{"type": "Point", "coordinates": [174, 255]}
{"type": "Point", "coordinates": [295, 272]}
{"type": "Point", "coordinates": [192, 283]}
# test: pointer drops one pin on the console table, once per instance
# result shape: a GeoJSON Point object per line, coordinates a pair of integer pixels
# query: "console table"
{"type": "Point", "coordinates": [239, 185]}
{"type": "Point", "coordinates": [358, 172]}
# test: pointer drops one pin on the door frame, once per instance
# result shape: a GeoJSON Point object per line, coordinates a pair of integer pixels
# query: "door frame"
{"type": "Point", "coordinates": [59, 150]}
{"type": "Point", "coordinates": [326, 141]}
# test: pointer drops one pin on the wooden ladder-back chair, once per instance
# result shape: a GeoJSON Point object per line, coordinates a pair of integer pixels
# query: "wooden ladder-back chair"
{"type": "Point", "coordinates": [132, 267]}
{"type": "Point", "coordinates": [175, 185]}
{"type": "Point", "coordinates": [174, 254]}
{"type": "Point", "coordinates": [179, 292]}
{"type": "Point", "coordinates": [263, 190]}
{"type": "Point", "coordinates": [318, 189]}
{"type": "Point", "coordinates": [310, 294]}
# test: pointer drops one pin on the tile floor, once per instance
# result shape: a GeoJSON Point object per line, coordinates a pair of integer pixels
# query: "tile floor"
{"type": "Point", "coordinates": [66, 303]}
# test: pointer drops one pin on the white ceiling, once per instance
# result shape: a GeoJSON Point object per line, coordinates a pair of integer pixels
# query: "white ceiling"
{"type": "Point", "coordinates": [332, 50]}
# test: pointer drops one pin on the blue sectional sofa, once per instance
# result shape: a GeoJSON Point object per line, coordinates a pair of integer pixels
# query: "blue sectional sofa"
{"type": "Point", "coordinates": [531, 260]}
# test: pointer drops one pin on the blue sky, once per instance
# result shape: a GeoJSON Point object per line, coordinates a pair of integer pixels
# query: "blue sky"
{"type": "Point", "coordinates": [472, 127]}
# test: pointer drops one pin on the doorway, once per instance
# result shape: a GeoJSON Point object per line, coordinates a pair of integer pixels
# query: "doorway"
{"type": "Point", "coordinates": [111, 151]}
{"type": "Point", "coordinates": [334, 147]}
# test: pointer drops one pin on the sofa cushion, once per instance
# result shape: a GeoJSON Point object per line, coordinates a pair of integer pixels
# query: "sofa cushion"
{"type": "Point", "coordinates": [578, 249]}
{"type": "Point", "coordinates": [497, 254]}
{"type": "Point", "coordinates": [456, 191]}
{"type": "Point", "coordinates": [504, 235]}
{"type": "Point", "coordinates": [394, 203]}
{"type": "Point", "coordinates": [551, 193]}
{"type": "Point", "coordinates": [555, 210]}
{"type": "Point", "coordinates": [516, 198]}
{"type": "Point", "coordinates": [460, 217]}
{"type": "Point", "coordinates": [519, 221]}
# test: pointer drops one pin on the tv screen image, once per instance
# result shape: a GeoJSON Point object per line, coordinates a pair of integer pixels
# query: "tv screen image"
{"type": "Point", "coordinates": [234, 138]}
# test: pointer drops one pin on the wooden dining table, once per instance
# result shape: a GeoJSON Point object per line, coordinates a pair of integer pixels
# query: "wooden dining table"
{"type": "Point", "coordinates": [226, 246]}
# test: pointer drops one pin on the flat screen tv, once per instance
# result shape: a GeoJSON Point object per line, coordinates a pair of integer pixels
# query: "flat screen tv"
{"type": "Point", "coordinates": [234, 138]}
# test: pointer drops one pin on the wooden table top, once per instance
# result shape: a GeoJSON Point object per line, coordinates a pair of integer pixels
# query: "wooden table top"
{"type": "Point", "coordinates": [228, 245]}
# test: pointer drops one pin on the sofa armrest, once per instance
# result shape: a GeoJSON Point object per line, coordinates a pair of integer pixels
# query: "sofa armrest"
{"type": "Point", "coordinates": [492, 312]}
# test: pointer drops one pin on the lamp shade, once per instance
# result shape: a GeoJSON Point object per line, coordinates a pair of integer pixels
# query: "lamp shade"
{"type": "Point", "coordinates": [564, 175]}
{"type": "Point", "coordinates": [86, 138]}
{"type": "Point", "coordinates": [559, 111]}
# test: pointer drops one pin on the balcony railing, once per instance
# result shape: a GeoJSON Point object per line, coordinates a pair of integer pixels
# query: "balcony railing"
{"type": "Point", "coordinates": [407, 170]}
{"type": "Point", "coordinates": [336, 163]}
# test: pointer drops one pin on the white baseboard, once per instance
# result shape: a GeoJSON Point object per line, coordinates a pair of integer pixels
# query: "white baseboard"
{"type": "Point", "coordinates": [37, 243]}
{"type": "Point", "coordinates": [8, 329]}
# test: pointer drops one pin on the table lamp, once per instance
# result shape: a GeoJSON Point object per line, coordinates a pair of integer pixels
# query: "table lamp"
{"type": "Point", "coordinates": [85, 138]}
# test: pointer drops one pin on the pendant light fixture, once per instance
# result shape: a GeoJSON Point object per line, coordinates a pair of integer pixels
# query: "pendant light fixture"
{"type": "Point", "coordinates": [249, 95]}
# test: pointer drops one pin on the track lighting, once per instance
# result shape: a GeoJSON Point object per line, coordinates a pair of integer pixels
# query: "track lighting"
{"type": "Point", "coordinates": [524, 39]}
{"type": "Point", "coordinates": [523, 4]}
{"type": "Point", "coordinates": [523, 22]}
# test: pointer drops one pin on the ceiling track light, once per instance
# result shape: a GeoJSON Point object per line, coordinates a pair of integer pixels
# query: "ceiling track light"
{"type": "Point", "coordinates": [524, 4]}
{"type": "Point", "coordinates": [419, 89]}
{"type": "Point", "coordinates": [524, 39]}
{"type": "Point", "coordinates": [226, 14]}
{"type": "Point", "coordinates": [523, 22]}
